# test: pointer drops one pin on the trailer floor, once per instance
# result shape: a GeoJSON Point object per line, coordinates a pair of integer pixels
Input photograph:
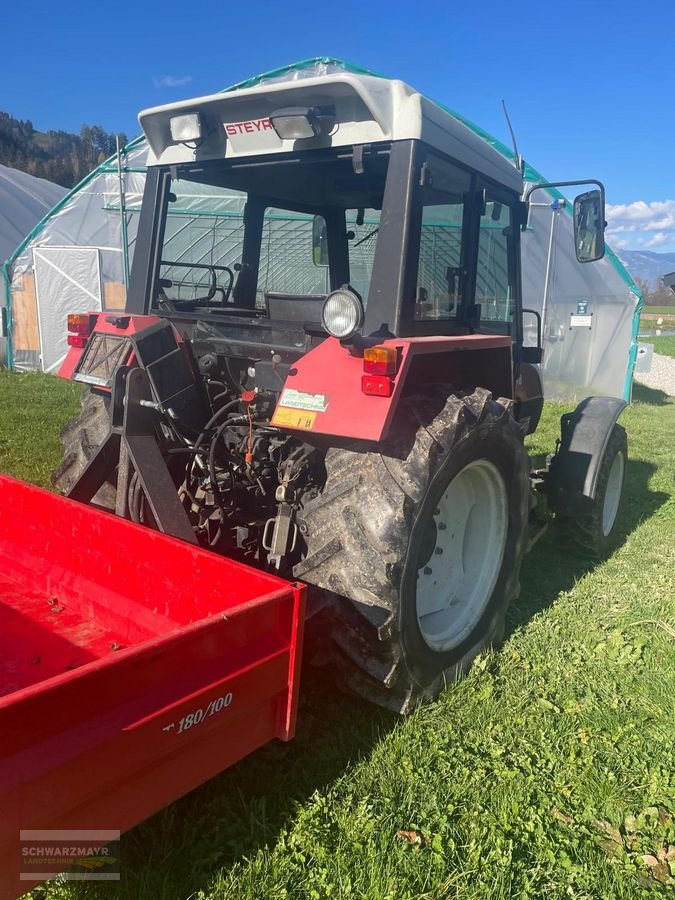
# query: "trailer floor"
{"type": "Point", "coordinates": [41, 636]}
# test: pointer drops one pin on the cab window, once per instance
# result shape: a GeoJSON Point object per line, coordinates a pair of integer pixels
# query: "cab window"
{"type": "Point", "coordinates": [495, 271]}
{"type": "Point", "coordinates": [441, 271]}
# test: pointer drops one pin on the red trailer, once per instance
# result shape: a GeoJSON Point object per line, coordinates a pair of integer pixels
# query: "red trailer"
{"type": "Point", "coordinates": [133, 667]}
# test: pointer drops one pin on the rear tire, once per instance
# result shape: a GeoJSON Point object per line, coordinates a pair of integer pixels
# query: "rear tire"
{"type": "Point", "coordinates": [81, 438]}
{"type": "Point", "coordinates": [595, 533]}
{"type": "Point", "coordinates": [374, 529]}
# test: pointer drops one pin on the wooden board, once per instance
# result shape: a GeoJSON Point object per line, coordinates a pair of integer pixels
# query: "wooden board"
{"type": "Point", "coordinates": [114, 295]}
{"type": "Point", "coordinates": [25, 331]}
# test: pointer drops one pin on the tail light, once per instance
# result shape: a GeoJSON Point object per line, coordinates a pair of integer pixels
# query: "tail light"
{"type": "Point", "coordinates": [80, 327]}
{"type": "Point", "coordinates": [379, 365]}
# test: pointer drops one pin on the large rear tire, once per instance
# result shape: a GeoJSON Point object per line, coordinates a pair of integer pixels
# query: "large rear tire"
{"type": "Point", "coordinates": [419, 544]}
{"type": "Point", "coordinates": [80, 438]}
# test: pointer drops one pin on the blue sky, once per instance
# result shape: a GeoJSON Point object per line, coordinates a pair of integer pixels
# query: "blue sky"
{"type": "Point", "coordinates": [590, 85]}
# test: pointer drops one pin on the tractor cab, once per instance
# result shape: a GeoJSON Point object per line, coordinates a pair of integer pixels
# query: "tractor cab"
{"type": "Point", "coordinates": [333, 182]}
{"type": "Point", "coordinates": [340, 205]}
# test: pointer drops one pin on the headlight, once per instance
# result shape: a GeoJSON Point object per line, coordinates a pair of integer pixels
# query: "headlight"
{"type": "Point", "coordinates": [342, 313]}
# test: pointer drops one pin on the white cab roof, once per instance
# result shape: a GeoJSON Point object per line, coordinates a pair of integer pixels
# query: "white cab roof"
{"type": "Point", "coordinates": [368, 110]}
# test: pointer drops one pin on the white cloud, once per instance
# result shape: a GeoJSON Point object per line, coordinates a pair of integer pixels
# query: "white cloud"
{"type": "Point", "coordinates": [658, 240]}
{"type": "Point", "coordinates": [642, 224]}
{"type": "Point", "coordinates": [172, 81]}
{"type": "Point", "coordinates": [655, 216]}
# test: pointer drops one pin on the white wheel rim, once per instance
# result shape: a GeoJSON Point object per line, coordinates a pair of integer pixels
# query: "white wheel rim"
{"type": "Point", "coordinates": [455, 585]}
{"type": "Point", "coordinates": [610, 506]}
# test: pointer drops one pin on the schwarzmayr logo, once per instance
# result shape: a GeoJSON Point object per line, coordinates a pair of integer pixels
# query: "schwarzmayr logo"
{"type": "Point", "coordinates": [87, 855]}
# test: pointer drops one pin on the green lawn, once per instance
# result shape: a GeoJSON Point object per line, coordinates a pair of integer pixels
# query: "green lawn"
{"type": "Point", "coordinates": [659, 310]}
{"type": "Point", "coordinates": [549, 772]}
{"type": "Point", "coordinates": [663, 344]}
{"type": "Point", "coordinates": [650, 315]}
{"type": "Point", "coordinates": [33, 408]}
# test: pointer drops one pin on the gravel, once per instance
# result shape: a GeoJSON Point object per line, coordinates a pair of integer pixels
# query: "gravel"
{"type": "Point", "coordinates": [662, 375]}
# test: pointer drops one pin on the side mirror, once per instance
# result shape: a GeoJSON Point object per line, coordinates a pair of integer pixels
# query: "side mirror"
{"type": "Point", "coordinates": [589, 226]}
{"type": "Point", "coordinates": [319, 241]}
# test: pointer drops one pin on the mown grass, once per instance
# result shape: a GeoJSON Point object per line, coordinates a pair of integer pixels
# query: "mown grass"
{"type": "Point", "coordinates": [658, 310]}
{"type": "Point", "coordinates": [663, 344]}
{"type": "Point", "coordinates": [548, 772]}
{"type": "Point", "coordinates": [33, 408]}
{"type": "Point", "coordinates": [657, 316]}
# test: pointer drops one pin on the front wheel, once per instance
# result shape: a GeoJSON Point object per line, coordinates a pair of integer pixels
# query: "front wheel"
{"type": "Point", "coordinates": [595, 532]}
{"type": "Point", "coordinates": [420, 544]}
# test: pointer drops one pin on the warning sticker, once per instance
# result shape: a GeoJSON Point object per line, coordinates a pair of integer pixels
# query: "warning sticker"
{"type": "Point", "coordinates": [293, 418]}
{"type": "Point", "coordinates": [580, 321]}
{"type": "Point", "coordinates": [301, 400]}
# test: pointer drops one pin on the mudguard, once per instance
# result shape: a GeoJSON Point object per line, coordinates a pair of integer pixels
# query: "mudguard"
{"type": "Point", "coordinates": [584, 434]}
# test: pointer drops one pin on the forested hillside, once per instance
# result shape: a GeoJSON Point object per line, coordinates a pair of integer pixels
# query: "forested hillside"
{"type": "Point", "coordinates": [57, 155]}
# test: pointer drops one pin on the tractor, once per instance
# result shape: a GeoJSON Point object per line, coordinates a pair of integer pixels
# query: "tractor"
{"type": "Point", "coordinates": [334, 384]}
{"type": "Point", "coordinates": [313, 405]}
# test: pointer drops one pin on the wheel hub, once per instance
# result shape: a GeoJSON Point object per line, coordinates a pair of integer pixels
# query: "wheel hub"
{"type": "Point", "coordinates": [610, 506]}
{"type": "Point", "coordinates": [457, 573]}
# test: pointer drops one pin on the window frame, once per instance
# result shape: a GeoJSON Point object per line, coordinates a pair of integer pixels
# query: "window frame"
{"type": "Point", "coordinates": [491, 192]}
{"type": "Point", "coordinates": [465, 322]}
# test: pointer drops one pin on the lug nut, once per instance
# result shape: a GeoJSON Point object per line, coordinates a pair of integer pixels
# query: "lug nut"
{"type": "Point", "coordinates": [441, 526]}
{"type": "Point", "coordinates": [427, 570]}
{"type": "Point", "coordinates": [438, 551]}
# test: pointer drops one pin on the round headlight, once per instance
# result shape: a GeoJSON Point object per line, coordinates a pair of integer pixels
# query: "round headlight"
{"type": "Point", "coordinates": [342, 313]}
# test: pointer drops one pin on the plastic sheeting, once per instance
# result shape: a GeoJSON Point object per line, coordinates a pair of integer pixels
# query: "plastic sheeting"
{"type": "Point", "coordinates": [590, 311]}
{"type": "Point", "coordinates": [24, 200]}
{"type": "Point", "coordinates": [67, 280]}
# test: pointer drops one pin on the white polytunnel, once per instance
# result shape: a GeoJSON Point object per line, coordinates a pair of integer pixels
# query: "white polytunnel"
{"type": "Point", "coordinates": [79, 256]}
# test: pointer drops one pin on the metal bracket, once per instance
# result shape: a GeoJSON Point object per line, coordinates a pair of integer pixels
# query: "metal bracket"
{"type": "Point", "coordinates": [131, 444]}
{"type": "Point", "coordinates": [284, 534]}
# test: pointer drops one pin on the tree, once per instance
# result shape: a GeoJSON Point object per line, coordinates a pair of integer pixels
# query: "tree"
{"type": "Point", "coordinates": [57, 155]}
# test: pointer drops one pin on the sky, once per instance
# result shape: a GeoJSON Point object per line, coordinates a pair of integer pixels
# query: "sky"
{"type": "Point", "coordinates": [589, 84]}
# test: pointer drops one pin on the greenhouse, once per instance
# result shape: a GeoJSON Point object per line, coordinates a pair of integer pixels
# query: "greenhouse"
{"type": "Point", "coordinates": [78, 258]}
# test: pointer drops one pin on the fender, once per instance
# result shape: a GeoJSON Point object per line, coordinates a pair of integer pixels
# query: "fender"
{"type": "Point", "coordinates": [584, 435]}
{"type": "Point", "coordinates": [324, 394]}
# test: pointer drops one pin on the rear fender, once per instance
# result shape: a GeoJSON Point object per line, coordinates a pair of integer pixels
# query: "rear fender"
{"type": "Point", "coordinates": [584, 435]}
{"type": "Point", "coordinates": [325, 391]}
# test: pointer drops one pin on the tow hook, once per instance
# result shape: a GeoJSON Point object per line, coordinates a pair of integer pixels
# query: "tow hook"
{"type": "Point", "coordinates": [280, 534]}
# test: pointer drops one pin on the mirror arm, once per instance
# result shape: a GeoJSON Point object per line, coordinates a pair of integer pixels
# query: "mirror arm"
{"type": "Point", "coordinates": [559, 184]}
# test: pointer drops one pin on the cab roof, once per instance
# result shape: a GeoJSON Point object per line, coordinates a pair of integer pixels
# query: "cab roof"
{"type": "Point", "coordinates": [368, 109]}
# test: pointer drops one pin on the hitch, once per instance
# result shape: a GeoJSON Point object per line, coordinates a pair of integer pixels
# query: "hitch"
{"type": "Point", "coordinates": [131, 446]}
{"type": "Point", "coordinates": [283, 537]}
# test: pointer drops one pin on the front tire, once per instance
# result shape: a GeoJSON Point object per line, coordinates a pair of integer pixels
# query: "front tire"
{"type": "Point", "coordinates": [81, 438]}
{"type": "Point", "coordinates": [374, 531]}
{"type": "Point", "coordinates": [595, 532]}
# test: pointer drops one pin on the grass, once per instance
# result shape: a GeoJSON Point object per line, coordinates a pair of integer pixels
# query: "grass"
{"type": "Point", "coordinates": [663, 344]}
{"type": "Point", "coordinates": [33, 408]}
{"type": "Point", "coordinates": [658, 310]}
{"type": "Point", "coordinates": [548, 772]}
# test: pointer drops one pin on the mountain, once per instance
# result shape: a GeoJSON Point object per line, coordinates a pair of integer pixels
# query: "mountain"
{"type": "Point", "coordinates": [647, 265]}
{"type": "Point", "coordinates": [58, 156]}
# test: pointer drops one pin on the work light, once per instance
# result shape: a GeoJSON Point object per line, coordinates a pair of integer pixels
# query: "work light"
{"type": "Point", "coordinates": [187, 127]}
{"type": "Point", "coordinates": [296, 123]}
{"type": "Point", "coordinates": [342, 313]}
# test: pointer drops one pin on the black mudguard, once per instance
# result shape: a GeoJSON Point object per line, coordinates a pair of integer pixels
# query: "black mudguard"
{"type": "Point", "coordinates": [584, 434]}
